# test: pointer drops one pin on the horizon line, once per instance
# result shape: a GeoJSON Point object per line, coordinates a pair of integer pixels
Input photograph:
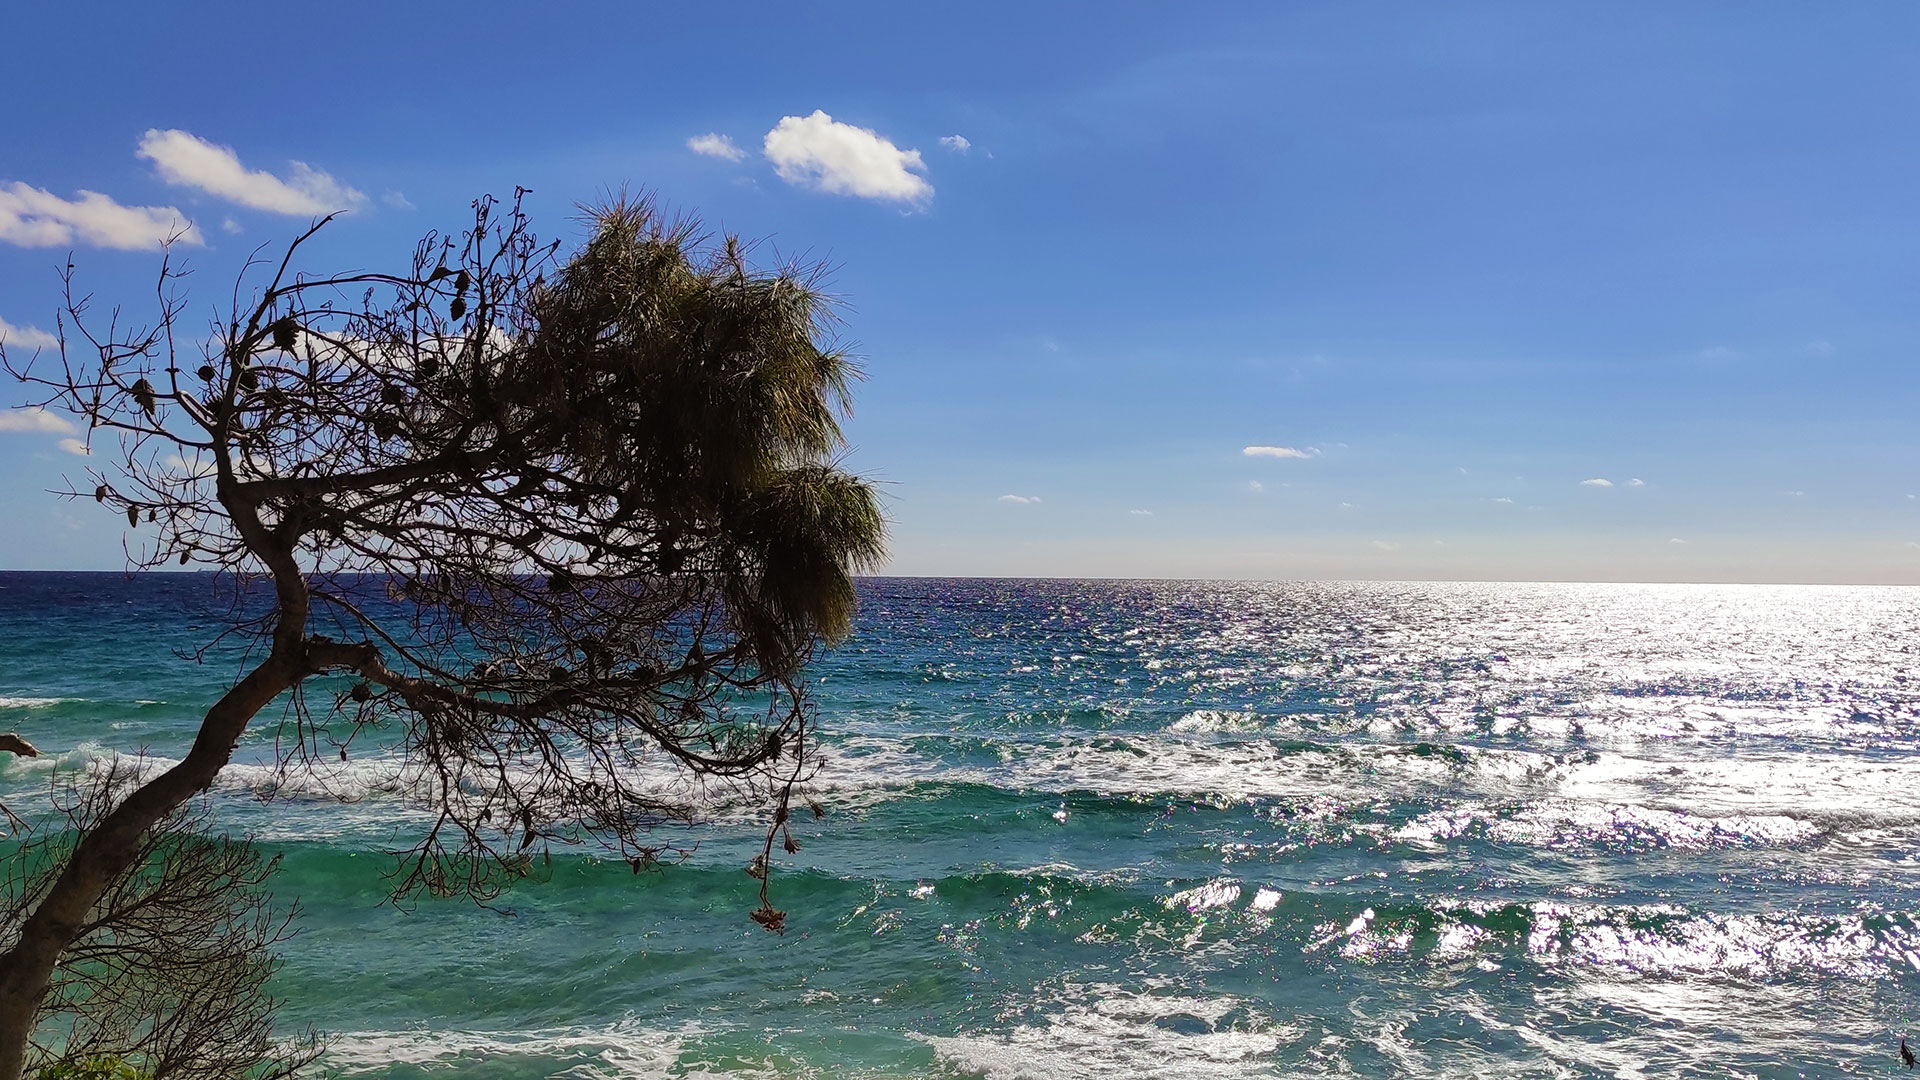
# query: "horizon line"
{"type": "Point", "coordinates": [177, 572]}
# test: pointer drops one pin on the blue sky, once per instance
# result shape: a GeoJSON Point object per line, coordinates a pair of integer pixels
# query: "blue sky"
{"type": "Point", "coordinates": [1461, 261]}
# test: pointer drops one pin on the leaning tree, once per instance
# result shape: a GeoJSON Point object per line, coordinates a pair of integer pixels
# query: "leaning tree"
{"type": "Point", "coordinates": [559, 530]}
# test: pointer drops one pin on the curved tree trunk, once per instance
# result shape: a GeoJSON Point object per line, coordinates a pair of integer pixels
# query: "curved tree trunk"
{"type": "Point", "coordinates": [107, 852]}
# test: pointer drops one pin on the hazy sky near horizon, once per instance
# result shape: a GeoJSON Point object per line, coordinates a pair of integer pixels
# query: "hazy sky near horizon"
{"type": "Point", "coordinates": [1621, 291]}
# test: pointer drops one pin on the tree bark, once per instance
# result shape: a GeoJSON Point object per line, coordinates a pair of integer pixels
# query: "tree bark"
{"type": "Point", "coordinates": [108, 851]}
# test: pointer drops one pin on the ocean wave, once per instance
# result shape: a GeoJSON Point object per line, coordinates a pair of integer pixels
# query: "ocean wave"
{"type": "Point", "coordinates": [1422, 795]}
{"type": "Point", "coordinates": [623, 1051]}
{"type": "Point", "coordinates": [86, 757]}
{"type": "Point", "coordinates": [1642, 939]}
{"type": "Point", "coordinates": [1104, 1030]}
{"type": "Point", "coordinates": [1766, 798]}
{"type": "Point", "coordinates": [1562, 823]}
{"type": "Point", "coordinates": [1275, 924]}
{"type": "Point", "coordinates": [36, 702]}
{"type": "Point", "coordinates": [371, 777]}
{"type": "Point", "coordinates": [1250, 917]}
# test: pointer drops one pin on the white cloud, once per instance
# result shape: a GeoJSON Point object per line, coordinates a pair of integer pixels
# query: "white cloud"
{"type": "Point", "coordinates": [75, 446]}
{"type": "Point", "coordinates": [1386, 545]}
{"type": "Point", "coordinates": [714, 144]}
{"type": "Point", "coordinates": [959, 144]}
{"type": "Point", "coordinates": [34, 418]}
{"type": "Point", "coordinates": [1796, 494]}
{"type": "Point", "coordinates": [1636, 482]}
{"type": "Point", "coordinates": [1598, 481]}
{"type": "Point", "coordinates": [397, 200]}
{"type": "Point", "coordinates": [824, 154]}
{"type": "Point", "coordinates": [231, 227]}
{"type": "Point", "coordinates": [35, 217]}
{"type": "Point", "coordinates": [1256, 486]}
{"type": "Point", "coordinates": [1141, 513]}
{"type": "Point", "coordinates": [187, 160]}
{"type": "Point", "coordinates": [189, 470]}
{"type": "Point", "coordinates": [1279, 452]}
{"type": "Point", "coordinates": [1501, 499]}
{"type": "Point", "coordinates": [1020, 500]}
{"type": "Point", "coordinates": [26, 337]}
{"type": "Point", "coordinates": [1346, 506]}
{"type": "Point", "coordinates": [1675, 540]}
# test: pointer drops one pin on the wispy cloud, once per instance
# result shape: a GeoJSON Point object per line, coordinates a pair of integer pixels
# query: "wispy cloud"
{"type": "Point", "coordinates": [76, 447]}
{"type": "Point", "coordinates": [1675, 540]}
{"type": "Point", "coordinates": [1279, 452]}
{"type": "Point", "coordinates": [34, 418]}
{"type": "Point", "coordinates": [1256, 486]}
{"type": "Point", "coordinates": [1598, 481]}
{"type": "Point", "coordinates": [187, 160]}
{"type": "Point", "coordinates": [1636, 482]}
{"type": "Point", "coordinates": [1501, 499]}
{"type": "Point", "coordinates": [397, 200]}
{"type": "Point", "coordinates": [1386, 545]}
{"type": "Point", "coordinates": [824, 154]}
{"type": "Point", "coordinates": [26, 337]}
{"type": "Point", "coordinates": [35, 217]}
{"type": "Point", "coordinates": [1020, 500]}
{"type": "Point", "coordinates": [1141, 513]}
{"type": "Point", "coordinates": [959, 144]}
{"type": "Point", "coordinates": [715, 145]}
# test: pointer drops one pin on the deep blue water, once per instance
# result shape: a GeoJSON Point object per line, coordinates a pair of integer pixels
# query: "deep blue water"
{"type": "Point", "coordinates": [1150, 829]}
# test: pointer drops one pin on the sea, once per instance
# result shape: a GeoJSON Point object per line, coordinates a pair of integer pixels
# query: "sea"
{"type": "Point", "coordinates": [1142, 829]}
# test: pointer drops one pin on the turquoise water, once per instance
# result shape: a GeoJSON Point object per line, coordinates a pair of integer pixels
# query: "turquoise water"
{"type": "Point", "coordinates": [1113, 829]}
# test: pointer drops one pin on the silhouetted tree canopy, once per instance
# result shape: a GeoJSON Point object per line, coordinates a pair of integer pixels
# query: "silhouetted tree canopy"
{"type": "Point", "coordinates": [569, 526]}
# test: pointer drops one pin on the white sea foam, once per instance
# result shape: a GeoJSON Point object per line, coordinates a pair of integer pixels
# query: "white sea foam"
{"type": "Point", "coordinates": [1212, 721]}
{"type": "Point", "coordinates": [1643, 940]}
{"type": "Point", "coordinates": [1107, 1031]}
{"type": "Point", "coordinates": [625, 1051]}
{"type": "Point", "coordinates": [1213, 894]}
{"type": "Point", "coordinates": [1756, 945]}
{"type": "Point", "coordinates": [369, 777]}
{"type": "Point", "coordinates": [1558, 821]}
{"type": "Point", "coordinates": [35, 702]}
{"type": "Point", "coordinates": [86, 756]}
